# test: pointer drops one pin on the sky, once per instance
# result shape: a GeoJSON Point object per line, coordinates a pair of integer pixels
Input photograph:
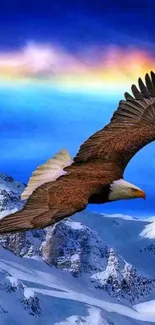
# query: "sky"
{"type": "Point", "coordinates": [64, 66]}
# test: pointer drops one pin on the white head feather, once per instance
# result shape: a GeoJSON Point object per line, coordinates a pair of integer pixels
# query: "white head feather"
{"type": "Point", "coordinates": [121, 189]}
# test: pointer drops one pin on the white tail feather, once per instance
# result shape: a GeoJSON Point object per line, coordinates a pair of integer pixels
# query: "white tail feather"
{"type": "Point", "coordinates": [50, 171]}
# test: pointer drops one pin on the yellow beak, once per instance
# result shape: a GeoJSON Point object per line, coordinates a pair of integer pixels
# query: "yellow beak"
{"type": "Point", "coordinates": [141, 194]}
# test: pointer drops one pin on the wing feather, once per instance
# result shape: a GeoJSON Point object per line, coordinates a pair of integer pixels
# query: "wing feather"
{"type": "Point", "coordinates": [50, 203]}
{"type": "Point", "coordinates": [144, 90]}
{"type": "Point", "coordinates": [150, 85]}
{"type": "Point", "coordinates": [49, 171]}
{"type": "Point", "coordinates": [131, 127]}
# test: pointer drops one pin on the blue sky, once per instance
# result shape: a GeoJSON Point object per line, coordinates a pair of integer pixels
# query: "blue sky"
{"type": "Point", "coordinates": [78, 22]}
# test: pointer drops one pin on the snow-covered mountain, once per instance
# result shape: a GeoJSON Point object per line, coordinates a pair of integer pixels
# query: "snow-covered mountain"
{"type": "Point", "coordinates": [89, 269]}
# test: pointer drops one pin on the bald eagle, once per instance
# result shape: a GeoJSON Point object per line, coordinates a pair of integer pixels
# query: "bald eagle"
{"type": "Point", "coordinates": [63, 186]}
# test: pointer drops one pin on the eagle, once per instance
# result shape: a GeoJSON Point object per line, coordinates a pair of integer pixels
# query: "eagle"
{"type": "Point", "coordinates": [63, 186]}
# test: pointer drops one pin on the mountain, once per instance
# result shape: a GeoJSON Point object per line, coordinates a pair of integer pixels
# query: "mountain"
{"type": "Point", "coordinates": [91, 269]}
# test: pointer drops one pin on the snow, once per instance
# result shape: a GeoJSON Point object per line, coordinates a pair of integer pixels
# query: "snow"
{"type": "Point", "coordinates": [28, 293]}
{"type": "Point", "coordinates": [93, 317]}
{"type": "Point", "coordinates": [55, 283]}
{"type": "Point", "coordinates": [124, 216]}
{"type": "Point", "coordinates": [72, 273]}
{"type": "Point", "coordinates": [9, 184]}
{"type": "Point", "coordinates": [74, 225]}
{"type": "Point", "coordinates": [4, 213]}
{"type": "Point", "coordinates": [52, 283]}
{"type": "Point", "coordinates": [125, 236]}
{"type": "Point", "coordinates": [14, 281]}
{"type": "Point", "coordinates": [146, 309]}
{"type": "Point", "coordinates": [149, 230]}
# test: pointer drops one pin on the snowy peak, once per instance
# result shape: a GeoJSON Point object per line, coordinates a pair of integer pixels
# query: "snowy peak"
{"type": "Point", "coordinates": [74, 247]}
{"type": "Point", "coordinates": [9, 183]}
{"type": "Point", "coordinates": [10, 192]}
{"type": "Point", "coordinates": [149, 229]}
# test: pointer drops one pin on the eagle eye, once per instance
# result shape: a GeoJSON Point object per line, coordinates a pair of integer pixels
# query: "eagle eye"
{"type": "Point", "coordinates": [134, 189]}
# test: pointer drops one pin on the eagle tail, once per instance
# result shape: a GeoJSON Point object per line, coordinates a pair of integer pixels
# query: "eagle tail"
{"type": "Point", "coordinates": [15, 222]}
{"type": "Point", "coordinates": [25, 219]}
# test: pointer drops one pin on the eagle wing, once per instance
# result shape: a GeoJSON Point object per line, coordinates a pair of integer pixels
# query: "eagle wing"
{"type": "Point", "coordinates": [132, 126]}
{"type": "Point", "coordinates": [50, 203]}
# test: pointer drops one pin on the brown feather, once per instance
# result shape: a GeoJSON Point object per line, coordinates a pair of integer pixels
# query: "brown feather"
{"type": "Point", "coordinates": [150, 85]}
{"type": "Point", "coordinates": [132, 126]}
{"type": "Point", "coordinates": [57, 200]}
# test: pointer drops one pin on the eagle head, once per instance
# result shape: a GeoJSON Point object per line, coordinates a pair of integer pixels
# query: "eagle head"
{"type": "Point", "coordinates": [121, 189]}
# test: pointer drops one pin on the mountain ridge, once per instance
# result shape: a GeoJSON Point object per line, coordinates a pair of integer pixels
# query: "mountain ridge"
{"type": "Point", "coordinates": [93, 268]}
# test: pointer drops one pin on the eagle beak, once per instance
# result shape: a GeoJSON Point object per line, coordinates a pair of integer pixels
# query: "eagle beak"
{"type": "Point", "coordinates": [141, 194]}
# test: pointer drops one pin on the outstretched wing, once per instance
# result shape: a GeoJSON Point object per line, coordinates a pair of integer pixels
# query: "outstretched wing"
{"type": "Point", "coordinates": [132, 126]}
{"type": "Point", "coordinates": [50, 203]}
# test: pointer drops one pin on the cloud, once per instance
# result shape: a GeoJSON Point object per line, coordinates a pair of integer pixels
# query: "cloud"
{"type": "Point", "coordinates": [96, 68]}
{"type": "Point", "coordinates": [34, 59]}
